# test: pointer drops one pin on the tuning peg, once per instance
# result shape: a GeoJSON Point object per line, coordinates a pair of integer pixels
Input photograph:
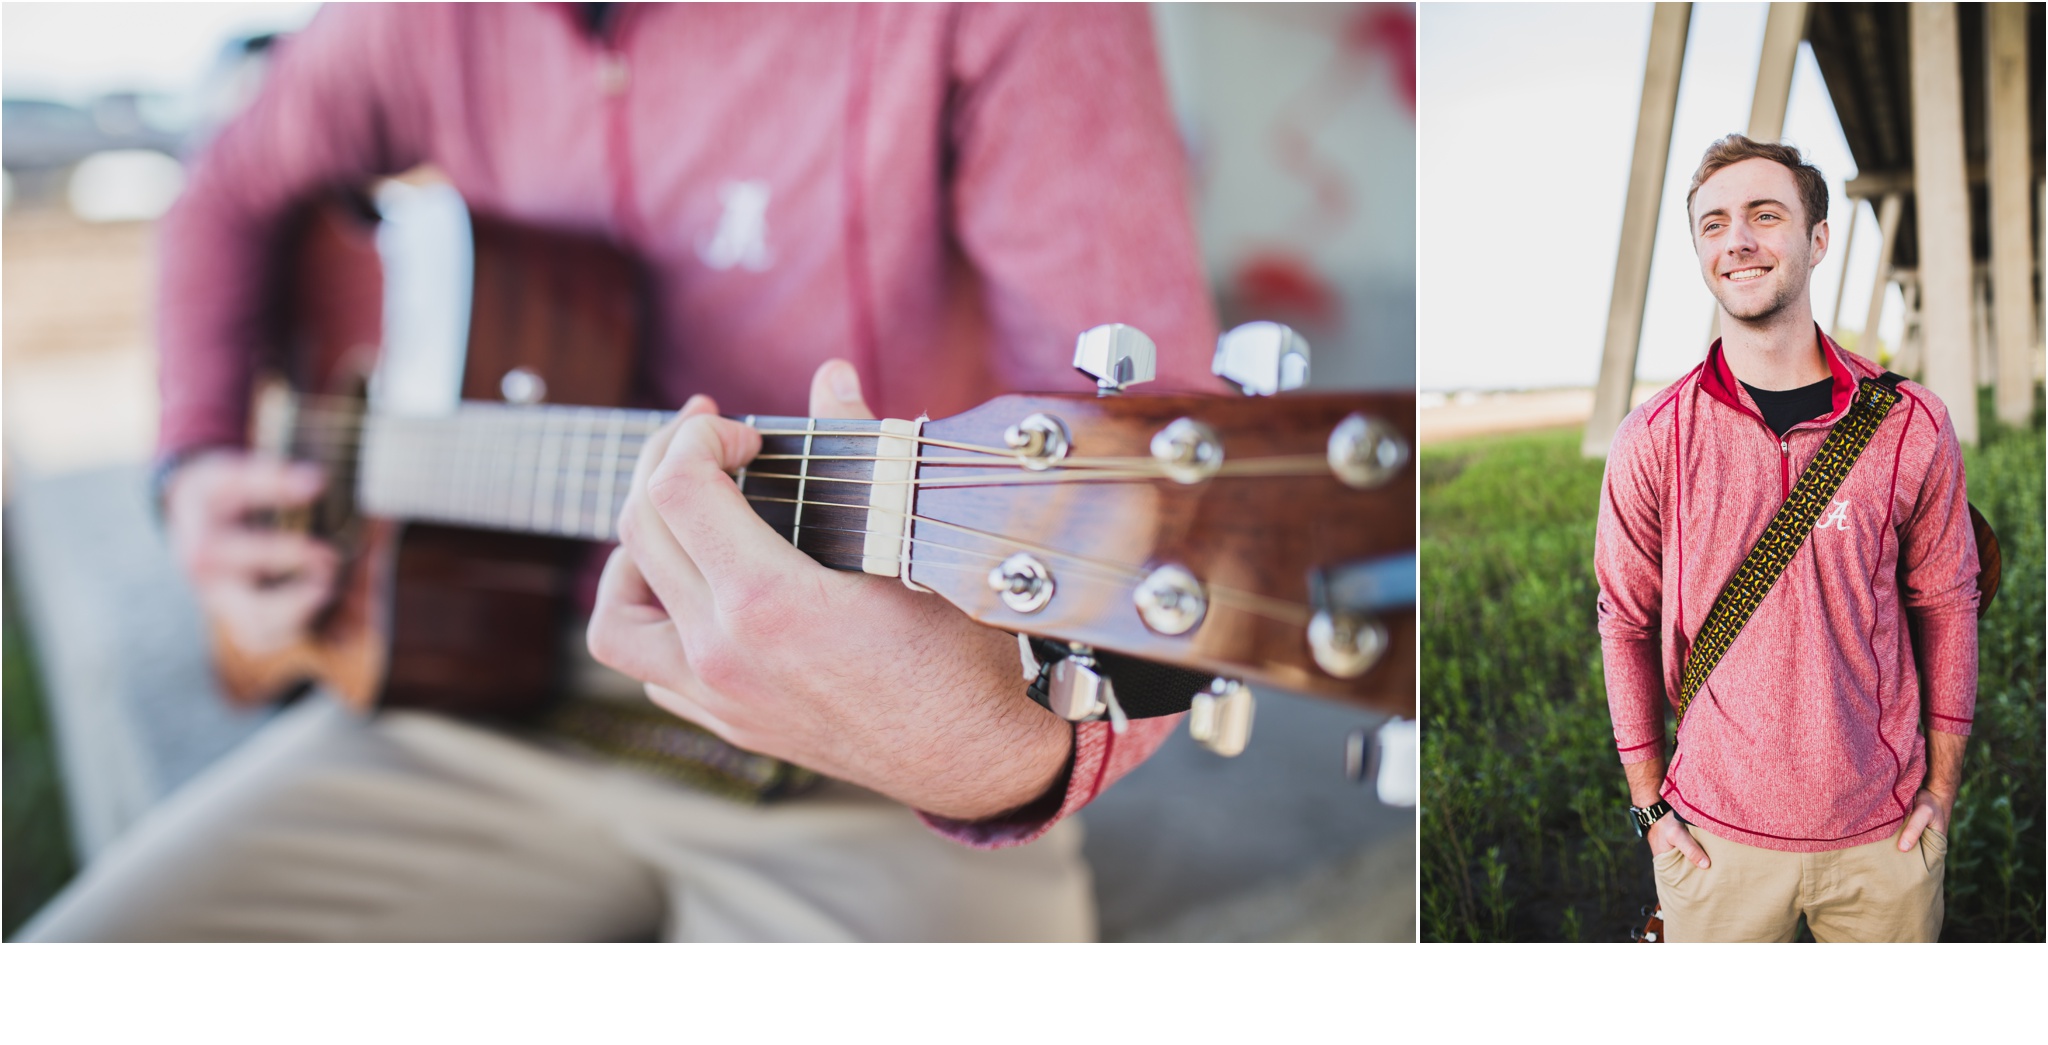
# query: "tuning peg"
{"type": "Point", "coordinates": [1391, 756]}
{"type": "Point", "coordinates": [1262, 358]}
{"type": "Point", "coordinates": [1220, 719]}
{"type": "Point", "coordinates": [1078, 691]}
{"type": "Point", "coordinates": [1116, 356]}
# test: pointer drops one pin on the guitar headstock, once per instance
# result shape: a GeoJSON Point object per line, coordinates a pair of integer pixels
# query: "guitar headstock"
{"type": "Point", "coordinates": [1198, 531]}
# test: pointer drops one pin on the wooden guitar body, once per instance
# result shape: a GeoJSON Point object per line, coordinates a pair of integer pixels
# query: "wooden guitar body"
{"type": "Point", "coordinates": [455, 619]}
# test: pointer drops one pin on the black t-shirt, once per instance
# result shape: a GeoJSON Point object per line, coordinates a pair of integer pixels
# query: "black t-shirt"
{"type": "Point", "coordinates": [1784, 409]}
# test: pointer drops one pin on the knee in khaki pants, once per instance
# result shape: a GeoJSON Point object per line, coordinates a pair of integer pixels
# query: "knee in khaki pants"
{"type": "Point", "coordinates": [1871, 892]}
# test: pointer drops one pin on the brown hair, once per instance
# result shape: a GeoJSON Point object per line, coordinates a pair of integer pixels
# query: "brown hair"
{"type": "Point", "coordinates": [1735, 148]}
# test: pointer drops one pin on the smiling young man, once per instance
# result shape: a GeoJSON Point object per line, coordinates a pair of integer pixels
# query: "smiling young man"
{"type": "Point", "coordinates": [1815, 767]}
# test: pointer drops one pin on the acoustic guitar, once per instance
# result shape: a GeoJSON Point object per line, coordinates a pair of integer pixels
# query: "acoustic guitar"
{"type": "Point", "coordinates": [1263, 539]}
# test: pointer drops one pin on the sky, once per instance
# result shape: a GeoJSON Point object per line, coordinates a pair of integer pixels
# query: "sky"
{"type": "Point", "coordinates": [1527, 123]}
{"type": "Point", "coordinates": [75, 52]}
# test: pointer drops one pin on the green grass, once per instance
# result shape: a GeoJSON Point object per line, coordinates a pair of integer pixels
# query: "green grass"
{"type": "Point", "coordinates": [37, 854]}
{"type": "Point", "coordinates": [1524, 831]}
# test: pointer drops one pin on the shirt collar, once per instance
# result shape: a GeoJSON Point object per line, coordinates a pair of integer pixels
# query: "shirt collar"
{"type": "Point", "coordinates": [1720, 383]}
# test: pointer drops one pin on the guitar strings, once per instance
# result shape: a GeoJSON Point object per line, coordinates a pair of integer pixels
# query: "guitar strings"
{"type": "Point", "coordinates": [1281, 465]}
{"type": "Point", "coordinates": [1279, 609]}
{"type": "Point", "coordinates": [517, 492]}
{"type": "Point", "coordinates": [1282, 610]}
{"type": "Point", "coordinates": [1109, 468]}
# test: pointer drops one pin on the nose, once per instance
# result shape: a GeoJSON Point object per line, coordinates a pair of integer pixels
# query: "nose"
{"type": "Point", "coordinates": [1740, 238]}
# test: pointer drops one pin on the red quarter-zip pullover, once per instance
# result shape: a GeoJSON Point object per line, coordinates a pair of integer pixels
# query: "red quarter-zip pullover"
{"type": "Point", "coordinates": [1806, 737]}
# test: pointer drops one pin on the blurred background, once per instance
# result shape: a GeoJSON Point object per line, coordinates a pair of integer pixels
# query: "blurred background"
{"type": "Point", "coordinates": [1299, 122]}
{"type": "Point", "coordinates": [1552, 303]}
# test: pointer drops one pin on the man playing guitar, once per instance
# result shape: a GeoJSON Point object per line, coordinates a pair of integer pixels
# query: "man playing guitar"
{"type": "Point", "coordinates": [925, 203]}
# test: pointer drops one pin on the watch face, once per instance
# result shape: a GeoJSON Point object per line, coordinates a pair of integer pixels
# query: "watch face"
{"type": "Point", "coordinates": [1642, 820]}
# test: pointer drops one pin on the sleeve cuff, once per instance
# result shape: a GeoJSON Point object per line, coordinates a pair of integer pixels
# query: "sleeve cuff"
{"type": "Point", "coordinates": [1633, 751]}
{"type": "Point", "coordinates": [1941, 723]}
{"type": "Point", "coordinates": [1100, 758]}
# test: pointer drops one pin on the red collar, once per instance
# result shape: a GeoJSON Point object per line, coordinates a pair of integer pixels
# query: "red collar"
{"type": "Point", "coordinates": [1721, 384]}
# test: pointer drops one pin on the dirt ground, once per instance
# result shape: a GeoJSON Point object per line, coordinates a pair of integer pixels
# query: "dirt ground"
{"type": "Point", "coordinates": [1442, 418]}
{"type": "Point", "coordinates": [77, 367]}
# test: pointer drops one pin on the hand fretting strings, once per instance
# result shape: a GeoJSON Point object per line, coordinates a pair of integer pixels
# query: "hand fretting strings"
{"type": "Point", "coordinates": [565, 470]}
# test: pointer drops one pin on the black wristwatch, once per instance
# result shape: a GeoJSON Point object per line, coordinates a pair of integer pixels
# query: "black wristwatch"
{"type": "Point", "coordinates": [1645, 816]}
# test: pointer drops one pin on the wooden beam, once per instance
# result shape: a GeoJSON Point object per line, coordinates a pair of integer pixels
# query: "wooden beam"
{"type": "Point", "coordinates": [1668, 27]}
{"type": "Point", "coordinates": [1887, 243]}
{"type": "Point", "coordinates": [1784, 27]}
{"type": "Point", "coordinates": [1874, 184]}
{"type": "Point", "coordinates": [1842, 285]}
{"type": "Point", "coordinates": [1942, 205]}
{"type": "Point", "coordinates": [2012, 247]}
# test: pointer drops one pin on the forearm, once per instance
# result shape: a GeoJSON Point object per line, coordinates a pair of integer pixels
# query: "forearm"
{"type": "Point", "coordinates": [1645, 780]}
{"type": "Point", "coordinates": [1945, 765]}
{"type": "Point", "coordinates": [1010, 777]}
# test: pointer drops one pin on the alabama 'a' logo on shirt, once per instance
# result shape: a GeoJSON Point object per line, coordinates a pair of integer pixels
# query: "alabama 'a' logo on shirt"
{"type": "Point", "coordinates": [741, 239]}
{"type": "Point", "coordinates": [1837, 517]}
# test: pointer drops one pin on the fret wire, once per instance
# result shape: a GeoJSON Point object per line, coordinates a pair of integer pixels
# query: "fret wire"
{"type": "Point", "coordinates": [550, 463]}
{"type": "Point", "coordinates": [610, 474]}
{"type": "Point", "coordinates": [466, 477]}
{"type": "Point", "coordinates": [521, 480]}
{"type": "Point", "coordinates": [803, 473]}
{"type": "Point", "coordinates": [508, 465]}
{"type": "Point", "coordinates": [569, 506]}
{"type": "Point", "coordinates": [743, 468]}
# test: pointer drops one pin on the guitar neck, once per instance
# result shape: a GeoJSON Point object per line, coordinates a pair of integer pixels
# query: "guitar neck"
{"type": "Point", "coordinates": [565, 471]}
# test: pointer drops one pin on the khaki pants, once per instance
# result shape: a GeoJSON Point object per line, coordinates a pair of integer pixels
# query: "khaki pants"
{"type": "Point", "coordinates": [1872, 893]}
{"type": "Point", "coordinates": [417, 827]}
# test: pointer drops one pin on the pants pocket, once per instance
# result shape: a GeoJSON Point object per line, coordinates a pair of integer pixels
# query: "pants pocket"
{"type": "Point", "coordinates": [1933, 850]}
{"type": "Point", "coordinates": [1671, 868]}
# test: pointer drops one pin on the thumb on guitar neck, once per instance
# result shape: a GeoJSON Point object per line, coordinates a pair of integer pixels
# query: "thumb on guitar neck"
{"type": "Point", "coordinates": [836, 393]}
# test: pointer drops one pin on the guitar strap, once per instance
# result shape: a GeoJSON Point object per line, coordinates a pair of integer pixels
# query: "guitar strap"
{"type": "Point", "coordinates": [1787, 531]}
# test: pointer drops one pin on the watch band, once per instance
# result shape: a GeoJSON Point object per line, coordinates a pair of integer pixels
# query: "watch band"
{"type": "Point", "coordinates": [1647, 816]}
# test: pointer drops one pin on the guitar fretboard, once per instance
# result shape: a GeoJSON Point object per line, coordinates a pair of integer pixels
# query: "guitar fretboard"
{"type": "Point", "coordinates": [837, 489]}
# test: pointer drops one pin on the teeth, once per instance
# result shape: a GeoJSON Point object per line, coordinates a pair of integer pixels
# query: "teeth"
{"type": "Point", "coordinates": [1746, 274]}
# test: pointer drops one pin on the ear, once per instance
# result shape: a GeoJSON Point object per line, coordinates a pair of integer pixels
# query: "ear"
{"type": "Point", "coordinates": [1820, 242]}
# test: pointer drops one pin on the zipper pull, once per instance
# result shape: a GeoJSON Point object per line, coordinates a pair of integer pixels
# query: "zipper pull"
{"type": "Point", "coordinates": [1785, 446]}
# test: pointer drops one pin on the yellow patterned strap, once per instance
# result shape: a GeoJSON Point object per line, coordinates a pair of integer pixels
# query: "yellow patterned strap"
{"type": "Point", "coordinates": [1787, 531]}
